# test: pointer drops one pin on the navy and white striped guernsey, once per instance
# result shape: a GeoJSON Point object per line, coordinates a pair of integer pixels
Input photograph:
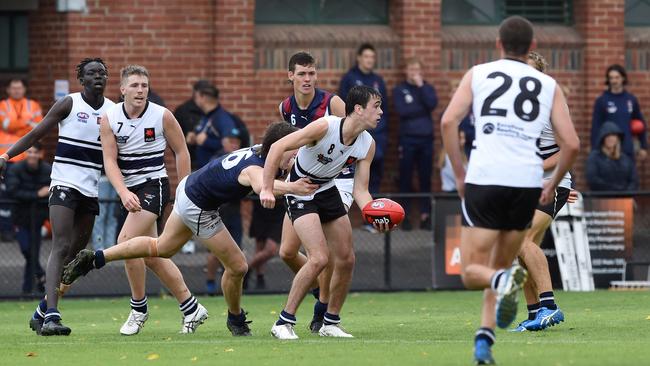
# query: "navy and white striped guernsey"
{"type": "Point", "coordinates": [78, 157]}
{"type": "Point", "coordinates": [217, 182]}
{"type": "Point", "coordinates": [140, 142]}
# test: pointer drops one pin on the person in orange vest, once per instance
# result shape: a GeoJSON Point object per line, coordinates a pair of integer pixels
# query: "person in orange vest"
{"type": "Point", "coordinates": [18, 115]}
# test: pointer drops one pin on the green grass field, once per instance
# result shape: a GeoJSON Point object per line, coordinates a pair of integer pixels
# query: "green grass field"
{"type": "Point", "coordinates": [432, 328]}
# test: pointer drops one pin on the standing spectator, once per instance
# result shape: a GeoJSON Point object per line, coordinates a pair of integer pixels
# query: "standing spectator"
{"type": "Point", "coordinates": [105, 228]}
{"type": "Point", "coordinates": [620, 107]}
{"type": "Point", "coordinates": [362, 74]}
{"type": "Point", "coordinates": [415, 100]}
{"type": "Point", "coordinates": [189, 115]}
{"type": "Point", "coordinates": [215, 130]}
{"type": "Point", "coordinates": [608, 169]}
{"type": "Point", "coordinates": [28, 182]}
{"type": "Point", "coordinates": [18, 115]}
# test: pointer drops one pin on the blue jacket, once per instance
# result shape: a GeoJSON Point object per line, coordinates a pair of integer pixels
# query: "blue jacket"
{"type": "Point", "coordinates": [414, 105]}
{"type": "Point", "coordinates": [217, 124]}
{"type": "Point", "coordinates": [605, 174]}
{"type": "Point", "coordinates": [356, 77]}
{"type": "Point", "coordinates": [620, 109]}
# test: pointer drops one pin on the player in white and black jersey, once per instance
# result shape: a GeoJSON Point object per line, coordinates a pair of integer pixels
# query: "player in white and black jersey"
{"type": "Point", "coordinates": [511, 101]}
{"type": "Point", "coordinates": [542, 309]}
{"type": "Point", "coordinates": [326, 147]}
{"type": "Point", "coordinates": [75, 175]}
{"type": "Point", "coordinates": [134, 136]}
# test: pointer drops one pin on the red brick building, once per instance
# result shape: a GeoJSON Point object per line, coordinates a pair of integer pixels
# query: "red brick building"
{"type": "Point", "coordinates": [245, 53]}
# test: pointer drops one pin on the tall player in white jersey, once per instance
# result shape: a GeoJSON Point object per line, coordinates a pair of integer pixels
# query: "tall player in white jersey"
{"type": "Point", "coordinates": [75, 175]}
{"type": "Point", "coordinates": [511, 101]}
{"type": "Point", "coordinates": [134, 136]}
{"type": "Point", "coordinates": [542, 310]}
{"type": "Point", "coordinates": [327, 146]}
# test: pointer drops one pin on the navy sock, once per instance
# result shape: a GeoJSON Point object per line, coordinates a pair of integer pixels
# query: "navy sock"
{"type": "Point", "coordinates": [331, 319]}
{"type": "Point", "coordinates": [52, 314]}
{"type": "Point", "coordinates": [189, 306]}
{"type": "Point", "coordinates": [547, 300]}
{"type": "Point", "coordinates": [237, 319]}
{"type": "Point", "coordinates": [139, 305]}
{"type": "Point", "coordinates": [319, 309]}
{"type": "Point", "coordinates": [486, 334]}
{"type": "Point", "coordinates": [496, 277]}
{"type": "Point", "coordinates": [286, 318]}
{"type": "Point", "coordinates": [316, 292]}
{"type": "Point", "coordinates": [532, 311]}
{"type": "Point", "coordinates": [40, 310]}
{"type": "Point", "coordinates": [100, 261]}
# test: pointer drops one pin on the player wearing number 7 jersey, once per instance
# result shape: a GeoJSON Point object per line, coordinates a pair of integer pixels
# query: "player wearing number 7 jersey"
{"type": "Point", "coordinates": [196, 213]}
{"type": "Point", "coordinates": [511, 102]}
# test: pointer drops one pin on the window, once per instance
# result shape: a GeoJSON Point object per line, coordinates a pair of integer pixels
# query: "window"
{"type": "Point", "coordinates": [14, 42]}
{"type": "Point", "coordinates": [637, 12]}
{"type": "Point", "coordinates": [321, 12]}
{"type": "Point", "coordinates": [491, 12]}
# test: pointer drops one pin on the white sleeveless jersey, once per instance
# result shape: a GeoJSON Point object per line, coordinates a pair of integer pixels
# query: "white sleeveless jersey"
{"type": "Point", "coordinates": [140, 142]}
{"type": "Point", "coordinates": [323, 162]}
{"type": "Point", "coordinates": [547, 147]}
{"type": "Point", "coordinates": [511, 103]}
{"type": "Point", "coordinates": [78, 158]}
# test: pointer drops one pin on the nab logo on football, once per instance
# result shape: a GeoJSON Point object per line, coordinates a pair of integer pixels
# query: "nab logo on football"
{"type": "Point", "coordinates": [488, 128]}
{"type": "Point", "coordinates": [149, 134]}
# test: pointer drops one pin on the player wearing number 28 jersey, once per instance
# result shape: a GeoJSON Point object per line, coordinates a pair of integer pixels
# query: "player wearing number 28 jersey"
{"type": "Point", "coordinates": [511, 101]}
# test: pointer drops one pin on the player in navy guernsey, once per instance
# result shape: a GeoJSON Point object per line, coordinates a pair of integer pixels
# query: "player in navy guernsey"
{"type": "Point", "coordinates": [196, 213]}
{"type": "Point", "coordinates": [75, 174]}
{"type": "Point", "coordinates": [305, 105]}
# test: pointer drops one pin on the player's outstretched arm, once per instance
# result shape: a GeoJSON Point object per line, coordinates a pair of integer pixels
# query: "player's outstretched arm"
{"type": "Point", "coordinates": [57, 113]}
{"type": "Point", "coordinates": [362, 177]}
{"type": "Point", "coordinates": [566, 138]}
{"type": "Point", "coordinates": [457, 110]}
{"type": "Point", "coordinates": [311, 134]}
{"type": "Point", "coordinates": [252, 176]}
{"type": "Point", "coordinates": [109, 152]}
{"type": "Point", "coordinates": [176, 141]}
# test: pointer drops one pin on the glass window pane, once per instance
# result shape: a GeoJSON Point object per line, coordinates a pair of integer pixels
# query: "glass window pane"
{"type": "Point", "coordinates": [283, 11]}
{"type": "Point", "coordinates": [4, 42]}
{"type": "Point", "coordinates": [321, 12]}
{"type": "Point", "coordinates": [470, 12]}
{"type": "Point", "coordinates": [21, 43]}
{"type": "Point", "coordinates": [637, 12]}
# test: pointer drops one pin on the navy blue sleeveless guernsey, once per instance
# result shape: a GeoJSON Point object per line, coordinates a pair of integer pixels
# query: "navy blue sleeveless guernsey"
{"type": "Point", "coordinates": [216, 183]}
{"type": "Point", "coordinates": [319, 107]}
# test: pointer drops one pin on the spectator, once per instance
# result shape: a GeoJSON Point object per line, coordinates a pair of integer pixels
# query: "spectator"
{"type": "Point", "coordinates": [447, 176]}
{"type": "Point", "coordinates": [620, 107]}
{"type": "Point", "coordinates": [217, 128]}
{"type": "Point", "coordinates": [18, 115]}
{"type": "Point", "coordinates": [105, 228]}
{"type": "Point", "coordinates": [608, 169]}
{"type": "Point", "coordinates": [28, 182]}
{"type": "Point", "coordinates": [415, 100]}
{"type": "Point", "coordinates": [189, 115]}
{"type": "Point", "coordinates": [362, 74]}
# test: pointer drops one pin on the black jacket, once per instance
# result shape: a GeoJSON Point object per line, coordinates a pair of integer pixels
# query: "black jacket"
{"type": "Point", "coordinates": [605, 174]}
{"type": "Point", "coordinates": [23, 184]}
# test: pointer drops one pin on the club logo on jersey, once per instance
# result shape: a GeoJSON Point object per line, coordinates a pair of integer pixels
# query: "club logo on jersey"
{"type": "Point", "coordinates": [350, 160]}
{"type": "Point", "coordinates": [121, 139]}
{"type": "Point", "coordinates": [149, 134]}
{"type": "Point", "coordinates": [611, 107]}
{"type": "Point", "coordinates": [324, 159]}
{"type": "Point", "coordinates": [630, 107]}
{"type": "Point", "coordinates": [82, 117]}
{"type": "Point", "coordinates": [488, 128]}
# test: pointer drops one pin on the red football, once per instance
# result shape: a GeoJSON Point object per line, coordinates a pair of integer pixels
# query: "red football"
{"type": "Point", "coordinates": [637, 126]}
{"type": "Point", "coordinates": [383, 210]}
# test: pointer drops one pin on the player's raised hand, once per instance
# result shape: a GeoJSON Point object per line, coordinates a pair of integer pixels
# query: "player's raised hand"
{"type": "Point", "coordinates": [304, 187]}
{"type": "Point", "coordinates": [267, 199]}
{"type": "Point", "coordinates": [130, 201]}
{"type": "Point", "coordinates": [548, 193]}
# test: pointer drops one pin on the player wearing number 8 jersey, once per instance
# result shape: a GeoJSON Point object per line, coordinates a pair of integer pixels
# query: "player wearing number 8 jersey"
{"type": "Point", "coordinates": [503, 185]}
{"type": "Point", "coordinates": [198, 198]}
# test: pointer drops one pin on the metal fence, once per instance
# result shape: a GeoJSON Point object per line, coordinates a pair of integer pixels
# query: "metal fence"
{"type": "Point", "coordinates": [399, 260]}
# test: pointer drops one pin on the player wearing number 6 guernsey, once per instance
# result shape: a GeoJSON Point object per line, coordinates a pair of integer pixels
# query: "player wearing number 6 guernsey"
{"type": "Point", "coordinates": [503, 184]}
{"type": "Point", "coordinates": [327, 146]}
{"type": "Point", "coordinates": [196, 213]}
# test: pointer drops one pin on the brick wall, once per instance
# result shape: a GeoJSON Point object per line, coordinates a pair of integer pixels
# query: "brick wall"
{"type": "Point", "coordinates": [181, 42]}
